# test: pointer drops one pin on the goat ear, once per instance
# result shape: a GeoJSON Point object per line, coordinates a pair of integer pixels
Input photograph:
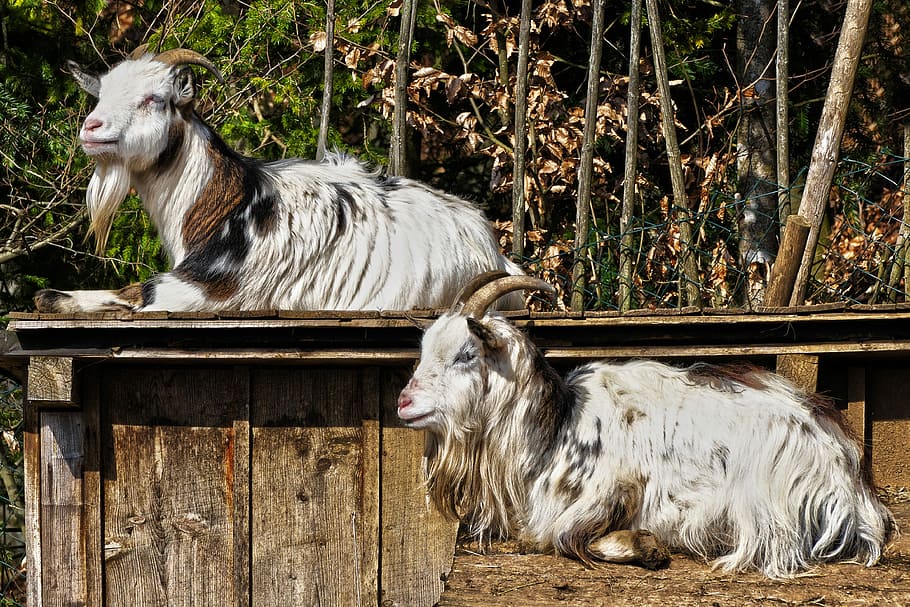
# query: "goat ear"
{"type": "Point", "coordinates": [490, 340]}
{"type": "Point", "coordinates": [184, 86]}
{"type": "Point", "coordinates": [87, 82]}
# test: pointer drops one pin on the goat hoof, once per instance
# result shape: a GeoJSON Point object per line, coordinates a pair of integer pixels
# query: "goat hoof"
{"type": "Point", "coordinates": [51, 301]}
{"type": "Point", "coordinates": [654, 555]}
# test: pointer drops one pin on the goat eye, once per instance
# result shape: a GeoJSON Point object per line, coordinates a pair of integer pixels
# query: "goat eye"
{"type": "Point", "coordinates": [151, 100]}
{"type": "Point", "coordinates": [465, 356]}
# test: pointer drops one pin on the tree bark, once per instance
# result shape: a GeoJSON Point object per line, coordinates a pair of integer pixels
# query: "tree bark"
{"type": "Point", "coordinates": [755, 148]}
{"type": "Point", "coordinates": [690, 287]}
{"type": "Point", "coordinates": [631, 163]}
{"type": "Point", "coordinates": [328, 80]}
{"type": "Point", "coordinates": [783, 112]}
{"type": "Point", "coordinates": [521, 133]}
{"type": "Point", "coordinates": [586, 164]}
{"type": "Point", "coordinates": [398, 154]}
{"type": "Point", "coordinates": [826, 149]}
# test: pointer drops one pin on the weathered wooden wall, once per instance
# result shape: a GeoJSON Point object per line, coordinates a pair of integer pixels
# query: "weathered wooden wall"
{"type": "Point", "coordinates": [234, 485]}
{"type": "Point", "coordinates": [258, 461]}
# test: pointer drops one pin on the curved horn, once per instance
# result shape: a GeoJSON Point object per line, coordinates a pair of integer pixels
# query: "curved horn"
{"type": "Point", "coordinates": [477, 304]}
{"type": "Point", "coordinates": [182, 56]}
{"type": "Point", "coordinates": [139, 52]}
{"type": "Point", "coordinates": [475, 283]}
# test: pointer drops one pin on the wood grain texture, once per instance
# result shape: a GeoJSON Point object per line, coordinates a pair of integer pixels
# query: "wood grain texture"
{"type": "Point", "coordinates": [63, 457]}
{"type": "Point", "coordinates": [308, 536]}
{"type": "Point", "coordinates": [51, 381]}
{"type": "Point", "coordinates": [31, 460]}
{"type": "Point", "coordinates": [418, 543]}
{"type": "Point", "coordinates": [169, 449]}
{"type": "Point", "coordinates": [801, 369]}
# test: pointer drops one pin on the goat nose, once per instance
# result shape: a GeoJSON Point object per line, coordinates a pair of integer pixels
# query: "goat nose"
{"type": "Point", "coordinates": [404, 400]}
{"type": "Point", "coordinates": [91, 124]}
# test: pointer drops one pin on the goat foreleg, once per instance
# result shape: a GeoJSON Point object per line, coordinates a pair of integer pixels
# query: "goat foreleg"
{"type": "Point", "coordinates": [163, 292]}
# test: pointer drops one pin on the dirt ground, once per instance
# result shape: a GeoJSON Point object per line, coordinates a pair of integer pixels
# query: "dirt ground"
{"type": "Point", "coordinates": [534, 580]}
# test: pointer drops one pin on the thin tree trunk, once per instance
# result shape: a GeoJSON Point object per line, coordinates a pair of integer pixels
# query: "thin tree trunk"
{"type": "Point", "coordinates": [755, 145]}
{"type": "Point", "coordinates": [328, 80]}
{"type": "Point", "coordinates": [631, 163]}
{"type": "Point", "coordinates": [586, 164]}
{"type": "Point", "coordinates": [519, 194]}
{"type": "Point", "coordinates": [783, 112]}
{"type": "Point", "coordinates": [688, 267]}
{"type": "Point", "coordinates": [901, 267]}
{"type": "Point", "coordinates": [398, 154]}
{"type": "Point", "coordinates": [826, 149]}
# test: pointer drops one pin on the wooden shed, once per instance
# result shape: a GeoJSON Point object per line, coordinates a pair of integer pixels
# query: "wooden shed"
{"type": "Point", "coordinates": [255, 459]}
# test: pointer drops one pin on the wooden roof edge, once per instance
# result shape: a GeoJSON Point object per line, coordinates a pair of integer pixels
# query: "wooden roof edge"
{"type": "Point", "coordinates": [34, 320]}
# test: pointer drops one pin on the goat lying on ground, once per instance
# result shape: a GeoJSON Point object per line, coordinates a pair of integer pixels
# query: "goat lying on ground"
{"type": "Point", "coordinates": [620, 461]}
{"type": "Point", "coordinates": [246, 234]}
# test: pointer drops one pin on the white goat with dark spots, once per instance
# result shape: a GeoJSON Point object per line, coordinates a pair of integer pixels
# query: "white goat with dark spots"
{"type": "Point", "coordinates": [620, 462]}
{"type": "Point", "coordinates": [247, 234]}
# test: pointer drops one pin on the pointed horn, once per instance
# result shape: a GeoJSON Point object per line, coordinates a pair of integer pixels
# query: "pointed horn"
{"type": "Point", "coordinates": [139, 52]}
{"type": "Point", "coordinates": [483, 298]}
{"type": "Point", "coordinates": [475, 283]}
{"type": "Point", "coordinates": [182, 56]}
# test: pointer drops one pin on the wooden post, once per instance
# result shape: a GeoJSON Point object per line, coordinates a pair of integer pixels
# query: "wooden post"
{"type": "Point", "coordinates": [398, 154]}
{"type": "Point", "coordinates": [631, 163]}
{"type": "Point", "coordinates": [520, 145]}
{"type": "Point", "coordinates": [826, 149]}
{"type": "Point", "coordinates": [586, 164]}
{"type": "Point", "coordinates": [328, 80]}
{"type": "Point", "coordinates": [51, 382]}
{"type": "Point", "coordinates": [690, 285]}
{"type": "Point", "coordinates": [782, 95]}
{"type": "Point", "coordinates": [801, 369]}
{"type": "Point", "coordinates": [785, 268]}
{"type": "Point", "coordinates": [857, 413]}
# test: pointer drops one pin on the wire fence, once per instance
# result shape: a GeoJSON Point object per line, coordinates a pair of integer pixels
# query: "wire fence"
{"type": "Point", "coordinates": [860, 257]}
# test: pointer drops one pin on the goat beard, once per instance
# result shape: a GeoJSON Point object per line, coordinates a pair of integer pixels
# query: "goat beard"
{"type": "Point", "coordinates": [106, 191]}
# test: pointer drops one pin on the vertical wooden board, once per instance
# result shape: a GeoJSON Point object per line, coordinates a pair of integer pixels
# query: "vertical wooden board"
{"type": "Point", "coordinates": [888, 401]}
{"type": "Point", "coordinates": [856, 413]}
{"type": "Point", "coordinates": [307, 518]}
{"type": "Point", "coordinates": [801, 369]}
{"type": "Point", "coordinates": [418, 542]}
{"type": "Point", "coordinates": [31, 449]}
{"type": "Point", "coordinates": [63, 550]}
{"type": "Point", "coordinates": [370, 489]}
{"type": "Point", "coordinates": [170, 487]}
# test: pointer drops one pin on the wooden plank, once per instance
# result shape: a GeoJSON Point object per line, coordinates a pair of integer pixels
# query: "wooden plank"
{"type": "Point", "coordinates": [307, 521]}
{"type": "Point", "coordinates": [686, 351]}
{"type": "Point", "coordinates": [62, 540]}
{"type": "Point", "coordinates": [418, 543]}
{"type": "Point", "coordinates": [51, 382]}
{"type": "Point", "coordinates": [92, 525]}
{"type": "Point", "coordinates": [801, 369]}
{"type": "Point", "coordinates": [242, 437]}
{"type": "Point", "coordinates": [370, 488]}
{"type": "Point", "coordinates": [169, 459]}
{"type": "Point", "coordinates": [857, 414]}
{"type": "Point", "coordinates": [31, 458]}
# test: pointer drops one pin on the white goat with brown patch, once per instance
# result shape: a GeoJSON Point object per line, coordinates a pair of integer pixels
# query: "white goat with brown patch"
{"type": "Point", "coordinates": [247, 234]}
{"type": "Point", "coordinates": [620, 461]}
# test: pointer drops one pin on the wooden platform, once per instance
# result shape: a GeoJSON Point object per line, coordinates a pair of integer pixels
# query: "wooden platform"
{"type": "Point", "coordinates": [256, 459]}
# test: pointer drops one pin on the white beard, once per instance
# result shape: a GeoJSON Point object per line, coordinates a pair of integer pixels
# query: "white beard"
{"type": "Point", "coordinates": [109, 185]}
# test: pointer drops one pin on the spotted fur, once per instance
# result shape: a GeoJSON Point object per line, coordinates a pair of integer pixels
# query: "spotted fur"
{"type": "Point", "coordinates": [246, 234]}
{"type": "Point", "coordinates": [737, 467]}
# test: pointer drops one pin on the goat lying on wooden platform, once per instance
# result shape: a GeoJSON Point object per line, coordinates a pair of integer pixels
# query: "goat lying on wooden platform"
{"type": "Point", "coordinates": [620, 461]}
{"type": "Point", "coordinates": [246, 234]}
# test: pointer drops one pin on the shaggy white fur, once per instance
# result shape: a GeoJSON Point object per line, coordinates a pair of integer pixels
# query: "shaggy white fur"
{"type": "Point", "coordinates": [733, 465]}
{"type": "Point", "coordinates": [246, 234]}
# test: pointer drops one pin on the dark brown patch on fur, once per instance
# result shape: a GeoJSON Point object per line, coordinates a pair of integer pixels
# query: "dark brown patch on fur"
{"type": "Point", "coordinates": [728, 378]}
{"type": "Point", "coordinates": [171, 151]}
{"type": "Point", "coordinates": [632, 415]}
{"type": "Point", "coordinates": [132, 294]}
{"type": "Point", "coordinates": [218, 200]}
